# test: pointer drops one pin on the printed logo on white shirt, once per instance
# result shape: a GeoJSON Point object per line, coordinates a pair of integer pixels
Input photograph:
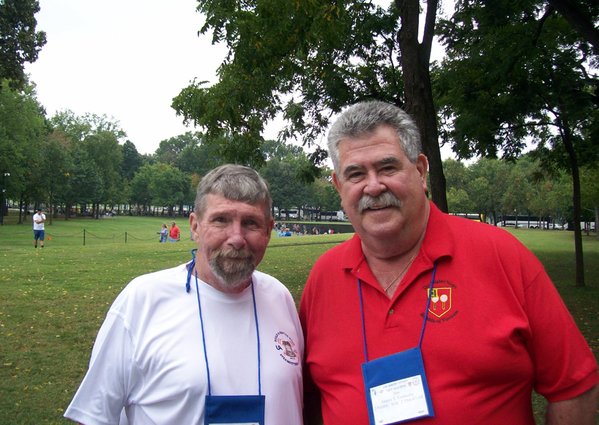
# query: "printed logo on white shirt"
{"type": "Point", "coordinates": [287, 348]}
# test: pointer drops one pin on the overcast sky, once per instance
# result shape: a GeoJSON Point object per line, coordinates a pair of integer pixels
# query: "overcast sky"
{"type": "Point", "coordinates": [126, 59]}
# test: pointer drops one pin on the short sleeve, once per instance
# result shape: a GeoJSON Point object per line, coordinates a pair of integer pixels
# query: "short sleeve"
{"type": "Point", "coordinates": [564, 363]}
{"type": "Point", "coordinates": [104, 391]}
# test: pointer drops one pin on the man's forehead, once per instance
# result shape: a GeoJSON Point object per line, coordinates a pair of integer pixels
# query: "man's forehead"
{"type": "Point", "coordinates": [218, 203]}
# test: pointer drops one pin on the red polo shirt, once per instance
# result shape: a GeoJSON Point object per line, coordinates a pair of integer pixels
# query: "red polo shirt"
{"type": "Point", "coordinates": [497, 330]}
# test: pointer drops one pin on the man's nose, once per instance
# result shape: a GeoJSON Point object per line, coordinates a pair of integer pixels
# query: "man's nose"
{"type": "Point", "coordinates": [374, 186]}
{"type": "Point", "coordinates": [236, 235]}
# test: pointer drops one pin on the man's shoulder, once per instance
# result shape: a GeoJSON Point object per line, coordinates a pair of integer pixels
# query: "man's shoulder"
{"type": "Point", "coordinates": [272, 288]}
{"type": "Point", "coordinates": [158, 284]}
{"type": "Point", "coordinates": [267, 281]}
{"type": "Point", "coordinates": [477, 229]}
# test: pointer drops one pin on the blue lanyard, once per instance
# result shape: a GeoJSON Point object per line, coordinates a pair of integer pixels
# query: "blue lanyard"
{"type": "Point", "coordinates": [425, 313]}
{"type": "Point", "coordinates": [187, 288]}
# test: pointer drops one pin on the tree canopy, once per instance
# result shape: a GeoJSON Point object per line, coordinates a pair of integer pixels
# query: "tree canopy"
{"type": "Point", "coordinates": [525, 76]}
{"type": "Point", "coordinates": [304, 59]}
{"type": "Point", "coordinates": [19, 41]}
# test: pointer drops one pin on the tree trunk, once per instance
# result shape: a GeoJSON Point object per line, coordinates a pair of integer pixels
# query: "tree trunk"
{"type": "Point", "coordinates": [415, 58]}
{"type": "Point", "coordinates": [51, 214]}
{"type": "Point", "coordinates": [581, 24]}
{"type": "Point", "coordinates": [20, 211]}
{"type": "Point", "coordinates": [576, 203]}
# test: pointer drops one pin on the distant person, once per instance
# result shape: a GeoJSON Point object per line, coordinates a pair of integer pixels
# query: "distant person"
{"type": "Point", "coordinates": [38, 227]}
{"type": "Point", "coordinates": [212, 341]}
{"type": "Point", "coordinates": [174, 233]}
{"type": "Point", "coordinates": [425, 316]}
{"type": "Point", "coordinates": [163, 233]}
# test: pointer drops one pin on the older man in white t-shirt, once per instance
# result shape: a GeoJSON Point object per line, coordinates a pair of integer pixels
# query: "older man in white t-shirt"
{"type": "Point", "coordinates": [210, 341]}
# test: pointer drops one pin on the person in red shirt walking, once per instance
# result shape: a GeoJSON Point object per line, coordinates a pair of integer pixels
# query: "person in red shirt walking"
{"type": "Point", "coordinates": [174, 233]}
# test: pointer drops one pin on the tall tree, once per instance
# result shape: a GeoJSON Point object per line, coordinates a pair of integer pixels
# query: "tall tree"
{"type": "Point", "coordinates": [169, 149]}
{"type": "Point", "coordinates": [54, 168]}
{"type": "Point", "coordinates": [132, 161]}
{"type": "Point", "coordinates": [524, 74]}
{"type": "Point", "coordinates": [22, 131]}
{"type": "Point", "coordinates": [307, 60]}
{"type": "Point", "coordinates": [488, 183]}
{"type": "Point", "coordinates": [78, 127]}
{"type": "Point", "coordinates": [82, 175]}
{"type": "Point", "coordinates": [415, 59]}
{"type": "Point", "coordinates": [104, 149]}
{"type": "Point", "coordinates": [285, 189]}
{"type": "Point", "coordinates": [19, 41]}
{"type": "Point", "coordinates": [458, 177]}
{"type": "Point", "coordinates": [169, 186]}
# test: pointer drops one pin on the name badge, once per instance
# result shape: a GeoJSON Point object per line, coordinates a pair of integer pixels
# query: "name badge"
{"type": "Point", "coordinates": [234, 410]}
{"type": "Point", "coordinates": [396, 388]}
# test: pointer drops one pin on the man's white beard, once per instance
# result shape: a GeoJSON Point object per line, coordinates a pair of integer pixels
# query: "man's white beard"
{"type": "Point", "coordinates": [233, 273]}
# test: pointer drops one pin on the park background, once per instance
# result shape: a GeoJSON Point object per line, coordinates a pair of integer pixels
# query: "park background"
{"type": "Point", "coordinates": [515, 97]}
{"type": "Point", "coordinates": [53, 300]}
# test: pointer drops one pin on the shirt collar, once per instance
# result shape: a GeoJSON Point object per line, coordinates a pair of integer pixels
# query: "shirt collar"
{"type": "Point", "coordinates": [438, 242]}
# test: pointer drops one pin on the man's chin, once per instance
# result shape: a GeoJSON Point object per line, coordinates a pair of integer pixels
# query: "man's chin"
{"type": "Point", "coordinates": [234, 275]}
{"type": "Point", "coordinates": [381, 224]}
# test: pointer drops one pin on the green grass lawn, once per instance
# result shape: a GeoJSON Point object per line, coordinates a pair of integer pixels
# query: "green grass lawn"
{"type": "Point", "coordinates": [53, 300]}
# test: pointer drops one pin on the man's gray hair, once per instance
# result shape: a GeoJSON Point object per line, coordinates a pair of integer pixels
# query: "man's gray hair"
{"type": "Point", "coordinates": [235, 182]}
{"type": "Point", "coordinates": [364, 118]}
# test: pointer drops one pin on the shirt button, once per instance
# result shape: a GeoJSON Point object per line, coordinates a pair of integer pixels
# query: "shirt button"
{"type": "Point", "coordinates": [391, 311]}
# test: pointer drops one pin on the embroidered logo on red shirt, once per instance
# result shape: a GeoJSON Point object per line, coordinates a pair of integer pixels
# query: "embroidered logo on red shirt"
{"type": "Point", "coordinates": [440, 301]}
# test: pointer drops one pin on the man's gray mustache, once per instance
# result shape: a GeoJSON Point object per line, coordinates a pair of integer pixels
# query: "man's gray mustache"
{"type": "Point", "coordinates": [385, 199]}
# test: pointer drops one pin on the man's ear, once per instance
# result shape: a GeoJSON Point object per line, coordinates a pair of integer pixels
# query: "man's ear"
{"type": "Point", "coordinates": [271, 225]}
{"type": "Point", "coordinates": [336, 182]}
{"type": "Point", "coordinates": [422, 166]}
{"type": "Point", "coordinates": [194, 225]}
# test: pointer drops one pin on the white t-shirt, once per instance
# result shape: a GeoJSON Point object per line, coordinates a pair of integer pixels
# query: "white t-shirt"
{"type": "Point", "coordinates": [148, 357]}
{"type": "Point", "coordinates": [38, 216]}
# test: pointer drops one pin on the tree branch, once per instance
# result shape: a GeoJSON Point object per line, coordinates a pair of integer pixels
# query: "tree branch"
{"type": "Point", "coordinates": [581, 23]}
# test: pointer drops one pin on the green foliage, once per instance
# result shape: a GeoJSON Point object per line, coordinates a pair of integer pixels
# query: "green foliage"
{"type": "Point", "coordinates": [80, 127]}
{"type": "Point", "coordinates": [22, 131]}
{"type": "Point", "coordinates": [104, 150]}
{"type": "Point", "coordinates": [302, 59]}
{"type": "Point", "coordinates": [163, 185]}
{"type": "Point", "coordinates": [493, 188]}
{"type": "Point", "coordinates": [286, 190]}
{"type": "Point", "coordinates": [132, 161]}
{"type": "Point", "coordinates": [522, 72]}
{"type": "Point", "coordinates": [83, 177]}
{"type": "Point", "coordinates": [19, 41]}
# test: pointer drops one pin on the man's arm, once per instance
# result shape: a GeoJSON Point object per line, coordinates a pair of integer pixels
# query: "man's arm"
{"type": "Point", "coordinates": [580, 410]}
